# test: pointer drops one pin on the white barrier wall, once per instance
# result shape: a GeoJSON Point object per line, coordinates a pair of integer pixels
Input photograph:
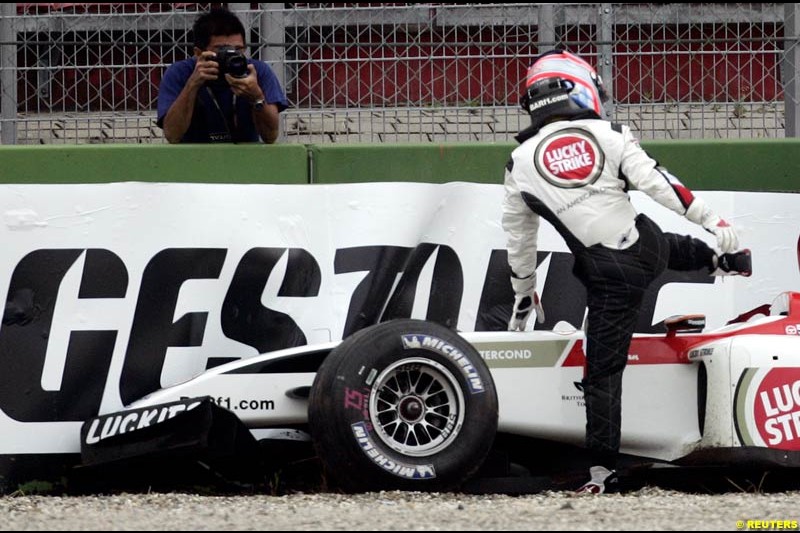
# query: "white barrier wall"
{"type": "Point", "coordinates": [116, 290]}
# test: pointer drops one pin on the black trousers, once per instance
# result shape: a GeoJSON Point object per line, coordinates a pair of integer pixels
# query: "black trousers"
{"type": "Point", "coordinates": [615, 282]}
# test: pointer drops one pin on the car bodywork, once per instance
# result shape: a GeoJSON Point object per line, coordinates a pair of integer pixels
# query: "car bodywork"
{"type": "Point", "coordinates": [690, 397]}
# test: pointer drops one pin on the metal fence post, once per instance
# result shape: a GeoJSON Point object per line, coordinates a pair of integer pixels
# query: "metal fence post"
{"type": "Point", "coordinates": [8, 74]}
{"type": "Point", "coordinates": [271, 29]}
{"type": "Point", "coordinates": [273, 45]}
{"type": "Point", "coordinates": [243, 12]}
{"type": "Point", "coordinates": [273, 35]}
{"type": "Point", "coordinates": [547, 27]}
{"type": "Point", "coordinates": [605, 52]}
{"type": "Point", "coordinates": [791, 69]}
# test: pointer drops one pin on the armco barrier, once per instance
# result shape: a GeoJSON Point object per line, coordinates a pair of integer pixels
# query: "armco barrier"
{"type": "Point", "coordinates": [726, 165]}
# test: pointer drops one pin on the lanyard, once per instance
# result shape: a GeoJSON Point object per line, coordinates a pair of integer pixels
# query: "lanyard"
{"type": "Point", "coordinates": [224, 117]}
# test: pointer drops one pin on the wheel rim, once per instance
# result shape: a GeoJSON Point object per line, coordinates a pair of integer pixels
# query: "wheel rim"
{"type": "Point", "coordinates": [416, 407]}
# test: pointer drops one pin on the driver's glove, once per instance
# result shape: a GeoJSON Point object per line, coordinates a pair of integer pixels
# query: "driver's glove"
{"type": "Point", "coordinates": [727, 240]}
{"type": "Point", "coordinates": [700, 213]}
{"type": "Point", "coordinates": [526, 300]}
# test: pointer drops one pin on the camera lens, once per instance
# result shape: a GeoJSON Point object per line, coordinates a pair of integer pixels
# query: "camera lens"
{"type": "Point", "coordinates": [237, 66]}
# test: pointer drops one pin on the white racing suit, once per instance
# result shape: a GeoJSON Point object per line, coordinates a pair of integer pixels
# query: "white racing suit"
{"type": "Point", "coordinates": [576, 174]}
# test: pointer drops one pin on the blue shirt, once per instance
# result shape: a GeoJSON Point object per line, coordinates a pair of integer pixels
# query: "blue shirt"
{"type": "Point", "coordinates": [214, 118]}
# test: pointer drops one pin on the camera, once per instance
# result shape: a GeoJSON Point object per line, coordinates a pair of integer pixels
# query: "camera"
{"type": "Point", "coordinates": [231, 61]}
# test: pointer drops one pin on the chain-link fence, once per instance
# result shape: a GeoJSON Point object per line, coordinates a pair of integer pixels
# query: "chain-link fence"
{"type": "Point", "coordinates": [89, 72]}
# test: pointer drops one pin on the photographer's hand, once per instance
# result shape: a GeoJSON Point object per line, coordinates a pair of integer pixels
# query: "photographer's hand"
{"type": "Point", "coordinates": [265, 116]}
{"type": "Point", "coordinates": [179, 116]}
{"type": "Point", "coordinates": [205, 69]}
{"type": "Point", "coordinates": [246, 87]}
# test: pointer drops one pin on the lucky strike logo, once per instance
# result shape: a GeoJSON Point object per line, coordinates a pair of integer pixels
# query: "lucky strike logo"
{"type": "Point", "coordinates": [777, 409]}
{"type": "Point", "coordinates": [569, 159]}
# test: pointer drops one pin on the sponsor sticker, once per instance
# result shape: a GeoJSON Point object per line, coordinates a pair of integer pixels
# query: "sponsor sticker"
{"type": "Point", "coordinates": [392, 466]}
{"type": "Point", "coordinates": [538, 104]}
{"type": "Point", "coordinates": [768, 408]}
{"type": "Point", "coordinates": [105, 427]}
{"type": "Point", "coordinates": [437, 345]}
{"type": "Point", "coordinates": [701, 352]}
{"type": "Point", "coordinates": [538, 354]}
{"type": "Point", "coordinates": [570, 159]}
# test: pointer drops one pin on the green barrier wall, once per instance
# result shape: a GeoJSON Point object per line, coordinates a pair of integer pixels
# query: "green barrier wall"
{"type": "Point", "coordinates": [762, 165]}
{"type": "Point", "coordinates": [165, 163]}
{"type": "Point", "coordinates": [430, 163]}
{"type": "Point", "coordinates": [732, 165]}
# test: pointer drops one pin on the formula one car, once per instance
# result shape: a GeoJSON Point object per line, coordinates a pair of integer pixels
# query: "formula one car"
{"type": "Point", "coordinates": [410, 404]}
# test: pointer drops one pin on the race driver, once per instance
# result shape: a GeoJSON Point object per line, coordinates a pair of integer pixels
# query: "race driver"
{"type": "Point", "coordinates": [574, 168]}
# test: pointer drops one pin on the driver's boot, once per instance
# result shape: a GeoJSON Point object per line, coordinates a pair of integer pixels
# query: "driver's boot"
{"type": "Point", "coordinates": [733, 264]}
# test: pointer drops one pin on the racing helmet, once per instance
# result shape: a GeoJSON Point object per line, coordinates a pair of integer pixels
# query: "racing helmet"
{"type": "Point", "coordinates": [560, 85]}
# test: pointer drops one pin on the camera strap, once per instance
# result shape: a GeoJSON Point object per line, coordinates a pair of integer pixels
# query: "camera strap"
{"type": "Point", "coordinates": [232, 123]}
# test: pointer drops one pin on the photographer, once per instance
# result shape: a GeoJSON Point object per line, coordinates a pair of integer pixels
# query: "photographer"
{"type": "Point", "coordinates": [219, 95]}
